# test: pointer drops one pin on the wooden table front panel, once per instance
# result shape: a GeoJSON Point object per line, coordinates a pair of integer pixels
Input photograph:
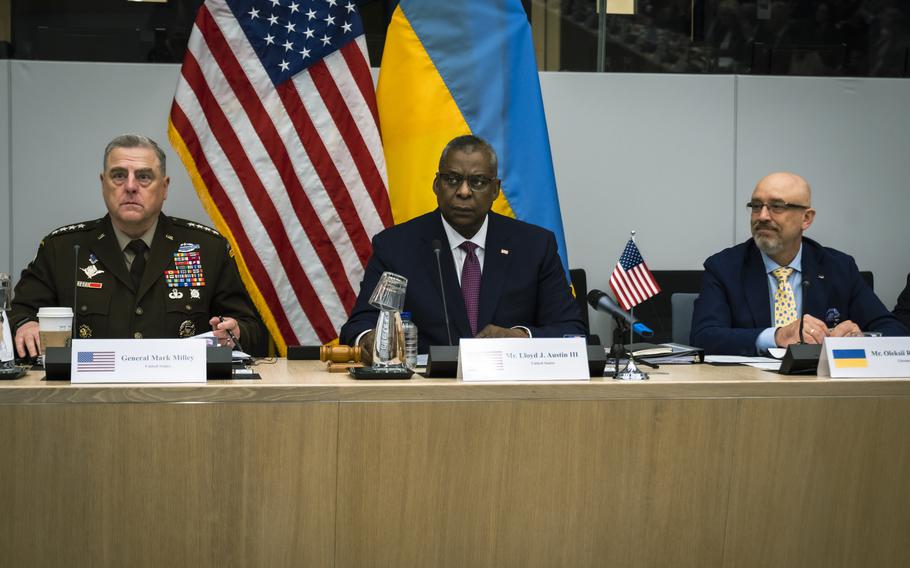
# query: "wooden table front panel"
{"type": "Point", "coordinates": [168, 484]}
{"type": "Point", "coordinates": [531, 483]}
{"type": "Point", "coordinates": [821, 482]}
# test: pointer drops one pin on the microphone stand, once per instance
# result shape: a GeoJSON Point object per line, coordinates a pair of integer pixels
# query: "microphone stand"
{"type": "Point", "coordinates": [618, 351]}
{"type": "Point", "coordinates": [631, 372]}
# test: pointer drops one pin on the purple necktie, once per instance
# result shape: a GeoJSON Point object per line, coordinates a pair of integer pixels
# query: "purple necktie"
{"type": "Point", "coordinates": [470, 283]}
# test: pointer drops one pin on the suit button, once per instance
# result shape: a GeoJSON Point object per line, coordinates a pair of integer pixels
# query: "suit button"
{"type": "Point", "coordinates": [83, 308]}
{"type": "Point", "coordinates": [139, 311]}
{"type": "Point", "coordinates": [189, 308]}
{"type": "Point", "coordinates": [137, 335]}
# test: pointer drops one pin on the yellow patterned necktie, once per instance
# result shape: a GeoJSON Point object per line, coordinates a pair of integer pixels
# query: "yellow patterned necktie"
{"type": "Point", "coordinates": [784, 302]}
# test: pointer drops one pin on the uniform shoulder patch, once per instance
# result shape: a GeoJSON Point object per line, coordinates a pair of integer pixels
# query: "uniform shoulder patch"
{"type": "Point", "coordinates": [75, 228]}
{"type": "Point", "coordinates": [193, 225]}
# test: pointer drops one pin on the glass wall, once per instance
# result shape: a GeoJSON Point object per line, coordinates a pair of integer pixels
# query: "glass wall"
{"type": "Point", "coordinates": [795, 37]}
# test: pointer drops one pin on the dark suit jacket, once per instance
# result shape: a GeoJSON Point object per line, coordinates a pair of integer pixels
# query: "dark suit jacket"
{"type": "Point", "coordinates": [523, 282]}
{"type": "Point", "coordinates": [902, 309]}
{"type": "Point", "coordinates": [108, 306]}
{"type": "Point", "coordinates": [734, 306]}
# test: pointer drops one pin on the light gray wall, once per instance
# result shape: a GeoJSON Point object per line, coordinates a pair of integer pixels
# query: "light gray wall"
{"type": "Point", "coordinates": [63, 116]}
{"type": "Point", "coordinates": [650, 153]}
{"type": "Point", "coordinates": [671, 156]}
{"type": "Point", "coordinates": [849, 139]}
{"type": "Point", "coordinates": [6, 229]}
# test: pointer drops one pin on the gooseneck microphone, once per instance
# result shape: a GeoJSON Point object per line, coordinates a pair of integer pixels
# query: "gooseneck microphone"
{"type": "Point", "coordinates": [602, 302]}
{"type": "Point", "coordinates": [802, 316]}
{"type": "Point", "coordinates": [437, 248]}
{"type": "Point", "coordinates": [75, 289]}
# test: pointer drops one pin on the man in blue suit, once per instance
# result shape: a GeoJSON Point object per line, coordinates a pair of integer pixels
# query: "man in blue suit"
{"type": "Point", "coordinates": [513, 268]}
{"type": "Point", "coordinates": [752, 294]}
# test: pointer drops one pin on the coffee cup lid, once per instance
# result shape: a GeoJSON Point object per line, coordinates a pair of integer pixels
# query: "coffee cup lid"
{"type": "Point", "coordinates": [64, 312]}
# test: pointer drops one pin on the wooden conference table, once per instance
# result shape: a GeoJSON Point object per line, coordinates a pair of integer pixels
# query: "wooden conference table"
{"type": "Point", "coordinates": [701, 466]}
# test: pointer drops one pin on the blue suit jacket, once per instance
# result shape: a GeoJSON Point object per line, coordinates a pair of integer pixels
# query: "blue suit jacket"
{"type": "Point", "coordinates": [734, 306]}
{"type": "Point", "coordinates": [902, 309]}
{"type": "Point", "coordinates": [523, 282]}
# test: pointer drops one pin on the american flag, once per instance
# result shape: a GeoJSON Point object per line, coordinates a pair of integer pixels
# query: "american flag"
{"type": "Point", "coordinates": [631, 281]}
{"type": "Point", "coordinates": [95, 361]}
{"type": "Point", "coordinates": [275, 119]}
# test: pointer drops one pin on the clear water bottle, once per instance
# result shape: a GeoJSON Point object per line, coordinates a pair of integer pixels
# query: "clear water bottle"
{"type": "Point", "coordinates": [410, 340]}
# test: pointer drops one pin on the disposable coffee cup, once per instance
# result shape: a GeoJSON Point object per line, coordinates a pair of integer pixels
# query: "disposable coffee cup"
{"type": "Point", "coordinates": [55, 327]}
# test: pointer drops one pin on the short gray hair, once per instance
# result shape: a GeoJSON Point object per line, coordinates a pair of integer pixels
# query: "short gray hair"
{"type": "Point", "coordinates": [469, 143]}
{"type": "Point", "coordinates": [135, 141]}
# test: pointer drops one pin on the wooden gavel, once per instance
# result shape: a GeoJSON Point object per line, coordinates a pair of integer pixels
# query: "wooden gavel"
{"type": "Point", "coordinates": [339, 353]}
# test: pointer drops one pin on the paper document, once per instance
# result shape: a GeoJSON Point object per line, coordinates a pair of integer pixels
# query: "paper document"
{"type": "Point", "coordinates": [209, 338]}
{"type": "Point", "coordinates": [738, 360]}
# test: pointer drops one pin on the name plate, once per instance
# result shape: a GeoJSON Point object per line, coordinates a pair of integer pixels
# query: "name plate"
{"type": "Point", "coordinates": [138, 361]}
{"type": "Point", "coordinates": [516, 359]}
{"type": "Point", "coordinates": [862, 357]}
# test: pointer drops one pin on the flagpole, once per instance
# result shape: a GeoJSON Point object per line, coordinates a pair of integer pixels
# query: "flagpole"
{"type": "Point", "coordinates": [632, 309]}
{"type": "Point", "coordinates": [632, 372]}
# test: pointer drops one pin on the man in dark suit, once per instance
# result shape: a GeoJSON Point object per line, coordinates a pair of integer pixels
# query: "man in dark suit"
{"type": "Point", "coordinates": [523, 290]}
{"type": "Point", "coordinates": [752, 294]}
{"type": "Point", "coordinates": [139, 272]}
{"type": "Point", "coordinates": [902, 309]}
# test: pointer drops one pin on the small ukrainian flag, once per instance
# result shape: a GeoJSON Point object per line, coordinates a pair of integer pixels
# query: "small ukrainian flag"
{"type": "Point", "coordinates": [850, 358]}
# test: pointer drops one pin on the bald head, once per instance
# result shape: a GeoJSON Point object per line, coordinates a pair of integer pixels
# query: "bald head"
{"type": "Point", "coordinates": [785, 186]}
{"type": "Point", "coordinates": [781, 210]}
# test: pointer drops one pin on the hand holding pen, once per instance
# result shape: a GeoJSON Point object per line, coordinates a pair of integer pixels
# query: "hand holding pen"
{"type": "Point", "coordinates": [226, 329]}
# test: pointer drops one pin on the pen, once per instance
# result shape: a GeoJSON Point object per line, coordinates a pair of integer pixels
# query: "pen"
{"type": "Point", "coordinates": [231, 335]}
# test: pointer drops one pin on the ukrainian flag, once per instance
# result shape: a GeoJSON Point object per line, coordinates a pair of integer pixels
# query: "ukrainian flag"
{"type": "Point", "coordinates": [465, 67]}
{"type": "Point", "coordinates": [849, 358]}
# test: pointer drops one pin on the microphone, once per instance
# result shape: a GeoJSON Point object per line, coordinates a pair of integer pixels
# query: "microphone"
{"type": "Point", "coordinates": [802, 318]}
{"type": "Point", "coordinates": [437, 248]}
{"type": "Point", "coordinates": [604, 303]}
{"type": "Point", "coordinates": [75, 289]}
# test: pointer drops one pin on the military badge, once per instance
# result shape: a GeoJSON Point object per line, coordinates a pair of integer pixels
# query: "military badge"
{"type": "Point", "coordinates": [187, 269]}
{"type": "Point", "coordinates": [194, 294]}
{"type": "Point", "coordinates": [187, 329]}
{"type": "Point", "coordinates": [175, 294]}
{"type": "Point", "coordinates": [187, 247]}
{"type": "Point", "coordinates": [92, 258]}
{"type": "Point", "coordinates": [85, 332]}
{"type": "Point", "coordinates": [91, 271]}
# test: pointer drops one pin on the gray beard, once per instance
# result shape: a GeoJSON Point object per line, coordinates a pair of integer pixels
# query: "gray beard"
{"type": "Point", "coordinates": [769, 246]}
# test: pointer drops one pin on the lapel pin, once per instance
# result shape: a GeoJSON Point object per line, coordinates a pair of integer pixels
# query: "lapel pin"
{"type": "Point", "coordinates": [169, 237]}
{"type": "Point", "coordinates": [821, 276]}
{"type": "Point", "coordinates": [503, 251]}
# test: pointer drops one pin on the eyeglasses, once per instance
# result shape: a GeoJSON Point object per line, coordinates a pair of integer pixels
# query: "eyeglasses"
{"type": "Point", "coordinates": [476, 183]}
{"type": "Point", "coordinates": [776, 207]}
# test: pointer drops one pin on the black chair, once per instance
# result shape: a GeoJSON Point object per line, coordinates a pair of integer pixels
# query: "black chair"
{"type": "Point", "coordinates": [580, 283]}
{"type": "Point", "coordinates": [657, 312]}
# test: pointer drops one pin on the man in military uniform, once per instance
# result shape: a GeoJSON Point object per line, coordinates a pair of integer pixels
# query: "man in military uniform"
{"type": "Point", "coordinates": [139, 273]}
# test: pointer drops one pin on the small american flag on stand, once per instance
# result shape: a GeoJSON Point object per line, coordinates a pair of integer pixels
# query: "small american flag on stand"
{"type": "Point", "coordinates": [95, 361]}
{"type": "Point", "coordinates": [631, 281]}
